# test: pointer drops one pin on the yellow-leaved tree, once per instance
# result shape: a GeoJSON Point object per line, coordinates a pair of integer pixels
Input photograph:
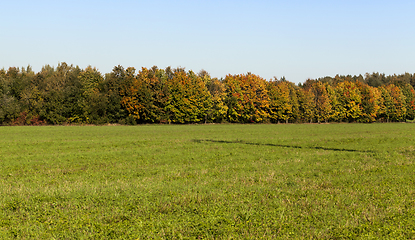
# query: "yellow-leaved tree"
{"type": "Point", "coordinates": [246, 98]}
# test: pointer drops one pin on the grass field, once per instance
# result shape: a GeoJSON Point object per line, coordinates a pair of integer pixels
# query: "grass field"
{"type": "Point", "coordinates": [208, 181]}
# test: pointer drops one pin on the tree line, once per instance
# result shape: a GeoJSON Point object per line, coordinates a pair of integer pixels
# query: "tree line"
{"type": "Point", "coordinates": [68, 94]}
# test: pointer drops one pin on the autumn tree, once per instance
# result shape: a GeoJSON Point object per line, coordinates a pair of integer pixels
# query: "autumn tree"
{"type": "Point", "coordinates": [281, 102]}
{"type": "Point", "coordinates": [189, 99]}
{"type": "Point", "coordinates": [307, 104]}
{"type": "Point", "coordinates": [350, 99]}
{"type": "Point", "coordinates": [246, 98]}
{"type": "Point", "coordinates": [69, 94]}
{"type": "Point", "coordinates": [398, 106]}
{"type": "Point", "coordinates": [409, 94]}
{"type": "Point", "coordinates": [146, 96]}
{"type": "Point", "coordinates": [369, 102]}
{"type": "Point", "coordinates": [386, 107]}
{"type": "Point", "coordinates": [322, 102]}
{"type": "Point", "coordinates": [217, 91]}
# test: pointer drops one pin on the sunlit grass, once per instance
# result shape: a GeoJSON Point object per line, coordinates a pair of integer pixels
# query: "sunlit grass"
{"type": "Point", "coordinates": [208, 181]}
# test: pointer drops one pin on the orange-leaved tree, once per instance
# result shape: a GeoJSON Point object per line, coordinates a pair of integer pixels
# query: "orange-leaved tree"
{"type": "Point", "coordinates": [322, 102]}
{"type": "Point", "coordinates": [370, 99]}
{"type": "Point", "coordinates": [246, 98]}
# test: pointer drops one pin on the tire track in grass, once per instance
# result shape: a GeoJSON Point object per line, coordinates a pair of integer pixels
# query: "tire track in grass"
{"type": "Point", "coordinates": [282, 145]}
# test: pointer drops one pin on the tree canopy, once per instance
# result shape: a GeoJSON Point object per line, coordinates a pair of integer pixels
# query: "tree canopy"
{"type": "Point", "coordinates": [68, 94]}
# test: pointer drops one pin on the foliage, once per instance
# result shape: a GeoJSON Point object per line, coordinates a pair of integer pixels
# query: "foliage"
{"type": "Point", "coordinates": [68, 94]}
{"type": "Point", "coordinates": [92, 102]}
{"type": "Point", "coordinates": [246, 98]}
{"type": "Point", "coordinates": [350, 99]}
{"type": "Point", "coordinates": [218, 112]}
{"type": "Point", "coordinates": [397, 107]}
{"type": "Point", "coordinates": [139, 97]}
{"type": "Point", "coordinates": [322, 102]}
{"type": "Point", "coordinates": [307, 104]}
{"type": "Point", "coordinates": [189, 99]}
{"type": "Point", "coordinates": [369, 102]}
{"type": "Point", "coordinates": [281, 104]}
{"type": "Point", "coordinates": [114, 83]}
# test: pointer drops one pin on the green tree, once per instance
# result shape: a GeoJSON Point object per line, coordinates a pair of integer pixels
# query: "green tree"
{"type": "Point", "coordinates": [114, 83]}
{"type": "Point", "coordinates": [61, 90]}
{"type": "Point", "coordinates": [20, 99]}
{"type": "Point", "coordinates": [9, 106]}
{"type": "Point", "coordinates": [189, 99]}
{"type": "Point", "coordinates": [375, 79]}
{"type": "Point", "coordinates": [93, 101]}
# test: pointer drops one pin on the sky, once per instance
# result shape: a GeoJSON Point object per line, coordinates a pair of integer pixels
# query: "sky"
{"type": "Point", "coordinates": [296, 39]}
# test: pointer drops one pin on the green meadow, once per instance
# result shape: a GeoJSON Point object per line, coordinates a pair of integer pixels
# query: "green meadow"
{"type": "Point", "coordinates": [227, 181]}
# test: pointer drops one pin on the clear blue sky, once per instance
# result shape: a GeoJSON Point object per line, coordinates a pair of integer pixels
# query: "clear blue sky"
{"type": "Point", "coordinates": [295, 39]}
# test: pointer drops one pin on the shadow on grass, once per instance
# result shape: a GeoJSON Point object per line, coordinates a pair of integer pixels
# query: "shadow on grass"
{"type": "Point", "coordinates": [282, 145]}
